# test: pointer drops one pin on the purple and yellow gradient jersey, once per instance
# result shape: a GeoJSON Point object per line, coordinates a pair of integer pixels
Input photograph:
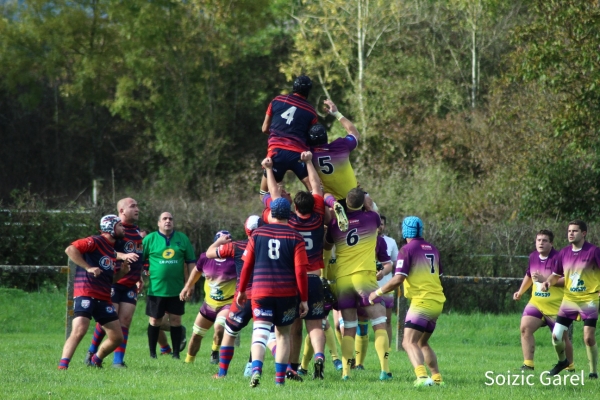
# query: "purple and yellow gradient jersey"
{"type": "Point", "coordinates": [97, 252]}
{"type": "Point", "coordinates": [420, 263]}
{"type": "Point", "coordinates": [220, 280]}
{"type": "Point", "coordinates": [291, 118]}
{"type": "Point", "coordinates": [355, 249]}
{"type": "Point", "coordinates": [332, 162]}
{"type": "Point", "coordinates": [131, 243]}
{"type": "Point", "coordinates": [547, 302]}
{"type": "Point", "coordinates": [581, 271]}
{"type": "Point", "coordinates": [236, 250]}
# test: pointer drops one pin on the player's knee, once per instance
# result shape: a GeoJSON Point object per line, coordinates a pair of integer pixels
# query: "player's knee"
{"type": "Point", "coordinates": [231, 332]}
{"type": "Point", "coordinates": [199, 331]}
{"type": "Point", "coordinates": [350, 324]}
{"type": "Point", "coordinates": [378, 321]}
{"type": "Point", "coordinates": [557, 333]}
{"type": "Point", "coordinates": [589, 341]}
{"type": "Point", "coordinates": [220, 321]}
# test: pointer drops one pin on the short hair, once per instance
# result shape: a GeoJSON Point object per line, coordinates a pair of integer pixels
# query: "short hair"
{"type": "Point", "coordinates": [582, 225]}
{"type": "Point", "coordinates": [355, 198]}
{"type": "Point", "coordinates": [304, 202]}
{"type": "Point", "coordinates": [548, 233]}
{"type": "Point", "coordinates": [383, 218]}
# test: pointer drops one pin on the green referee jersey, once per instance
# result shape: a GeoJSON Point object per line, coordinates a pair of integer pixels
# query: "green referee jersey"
{"type": "Point", "coordinates": [167, 257]}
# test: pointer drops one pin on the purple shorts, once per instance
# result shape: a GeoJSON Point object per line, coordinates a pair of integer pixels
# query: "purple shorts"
{"type": "Point", "coordinates": [532, 311]}
{"type": "Point", "coordinates": [587, 310]}
{"type": "Point", "coordinates": [422, 315]}
{"type": "Point", "coordinates": [211, 313]}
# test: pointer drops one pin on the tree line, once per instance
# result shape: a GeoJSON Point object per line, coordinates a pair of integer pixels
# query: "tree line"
{"type": "Point", "coordinates": [482, 110]}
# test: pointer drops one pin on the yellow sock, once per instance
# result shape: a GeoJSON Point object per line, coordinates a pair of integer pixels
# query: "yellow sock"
{"type": "Point", "coordinates": [437, 377]}
{"type": "Point", "coordinates": [190, 359]}
{"type": "Point", "coordinates": [330, 343]}
{"type": "Point", "coordinates": [215, 346]}
{"type": "Point", "coordinates": [528, 363]}
{"type": "Point", "coordinates": [571, 367]}
{"type": "Point", "coordinates": [308, 352]}
{"type": "Point", "coordinates": [338, 336]}
{"type": "Point", "coordinates": [421, 372]}
{"type": "Point", "coordinates": [361, 345]}
{"type": "Point", "coordinates": [347, 354]}
{"type": "Point", "coordinates": [592, 354]}
{"type": "Point", "coordinates": [381, 347]}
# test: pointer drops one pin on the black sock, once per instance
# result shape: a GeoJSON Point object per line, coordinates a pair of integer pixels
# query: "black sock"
{"type": "Point", "coordinates": [176, 333]}
{"type": "Point", "coordinates": [153, 332]}
{"type": "Point", "coordinates": [295, 366]}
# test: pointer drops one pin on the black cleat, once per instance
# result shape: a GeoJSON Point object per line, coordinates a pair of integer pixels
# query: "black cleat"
{"type": "Point", "coordinates": [593, 375]}
{"type": "Point", "coordinates": [319, 369]}
{"type": "Point", "coordinates": [526, 368]}
{"type": "Point", "coordinates": [293, 376]}
{"type": "Point", "coordinates": [175, 356]}
{"type": "Point", "coordinates": [559, 367]}
{"type": "Point", "coordinates": [214, 357]}
{"type": "Point", "coordinates": [88, 358]}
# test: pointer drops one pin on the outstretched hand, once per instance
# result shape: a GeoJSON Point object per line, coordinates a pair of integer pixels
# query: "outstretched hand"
{"type": "Point", "coordinates": [267, 163]}
{"type": "Point", "coordinates": [331, 107]}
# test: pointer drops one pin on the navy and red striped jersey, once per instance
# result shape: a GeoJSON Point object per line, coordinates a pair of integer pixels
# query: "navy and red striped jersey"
{"type": "Point", "coordinates": [236, 250]}
{"type": "Point", "coordinates": [291, 118]}
{"type": "Point", "coordinates": [97, 252]}
{"type": "Point", "coordinates": [131, 243]}
{"type": "Point", "coordinates": [312, 229]}
{"type": "Point", "coordinates": [276, 255]}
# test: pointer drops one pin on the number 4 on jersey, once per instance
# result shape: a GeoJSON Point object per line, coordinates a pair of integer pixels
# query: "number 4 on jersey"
{"type": "Point", "coordinates": [288, 115]}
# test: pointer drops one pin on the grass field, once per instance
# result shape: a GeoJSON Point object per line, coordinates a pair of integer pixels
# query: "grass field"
{"type": "Point", "coordinates": [468, 346]}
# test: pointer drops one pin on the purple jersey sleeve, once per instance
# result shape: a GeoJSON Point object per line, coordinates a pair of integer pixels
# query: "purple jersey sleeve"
{"type": "Point", "coordinates": [557, 264]}
{"type": "Point", "coordinates": [403, 262]}
{"type": "Point", "coordinates": [200, 263]}
{"type": "Point", "coordinates": [381, 250]}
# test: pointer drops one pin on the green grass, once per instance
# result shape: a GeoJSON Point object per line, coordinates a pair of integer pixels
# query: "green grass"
{"type": "Point", "coordinates": [32, 336]}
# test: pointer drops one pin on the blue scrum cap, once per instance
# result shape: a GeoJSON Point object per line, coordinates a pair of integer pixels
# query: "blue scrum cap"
{"type": "Point", "coordinates": [280, 208]}
{"type": "Point", "coordinates": [412, 227]}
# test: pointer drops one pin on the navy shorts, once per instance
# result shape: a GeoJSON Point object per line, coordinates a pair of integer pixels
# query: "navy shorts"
{"type": "Point", "coordinates": [123, 294]}
{"type": "Point", "coordinates": [316, 301]}
{"type": "Point", "coordinates": [280, 311]}
{"type": "Point", "coordinates": [156, 306]}
{"type": "Point", "coordinates": [102, 311]}
{"type": "Point", "coordinates": [239, 317]}
{"type": "Point", "coordinates": [287, 160]}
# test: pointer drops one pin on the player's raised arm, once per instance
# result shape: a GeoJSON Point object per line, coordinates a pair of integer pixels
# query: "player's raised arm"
{"type": "Point", "coordinates": [346, 123]}
{"type": "Point", "coordinates": [273, 187]}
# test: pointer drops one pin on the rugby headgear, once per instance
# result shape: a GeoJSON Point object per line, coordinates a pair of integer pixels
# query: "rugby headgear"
{"type": "Point", "coordinates": [108, 223]}
{"type": "Point", "coordinates": [317, 135]}
{"type": "Point", "coordinates": [221, 233]}
{"type": "Point", "coordinates": [280, 208]}
{"type": "Point", "coordinates": [302, 85]}
{"type": "Point", "coordinates": [412, 227]}
{"type": "Point", "coordinates": [252, 223]}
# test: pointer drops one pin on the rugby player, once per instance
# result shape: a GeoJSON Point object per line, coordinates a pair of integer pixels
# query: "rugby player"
{"type": "Point", "coordinates": [287, 121]}
{"type": "Point", "coordinates": [124, 292]}
{"type": "Point", "coordinates": [95, 257]}
{"type": "Point", "coordinates": [355, 278]}
{"type": "Point", "coordinates": [579, 264]}
{"type": "Point", "coordinates": [219, 288]}
{"type": "Point", "coordinates": [543, 306]}
{"type": "Point", "coordinates": [419, 269]}
{"type": "Point", "coordinates": [276, 260]}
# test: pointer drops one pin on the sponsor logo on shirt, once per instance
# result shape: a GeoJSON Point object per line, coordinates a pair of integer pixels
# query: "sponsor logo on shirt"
{"type": "Point", "coordinates": [426, 247]}
{"type": "Point", "coordinates": [105, 263]}
{"type": "Point", "coordinates": [168, 254]}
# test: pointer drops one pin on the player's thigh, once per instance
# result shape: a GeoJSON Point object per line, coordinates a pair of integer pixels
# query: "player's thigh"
{"type": "Point", "coordinates": [531, 324]}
